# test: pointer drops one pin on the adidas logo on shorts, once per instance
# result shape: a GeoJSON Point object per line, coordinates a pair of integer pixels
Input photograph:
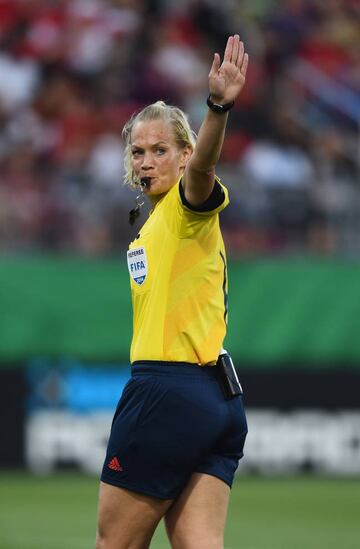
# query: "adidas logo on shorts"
{"type": "Point", "coordinates": [115, 464]}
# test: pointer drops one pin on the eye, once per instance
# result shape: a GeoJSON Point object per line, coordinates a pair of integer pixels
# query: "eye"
{"type": "Point", "coordinates": [136, 152]}
{"type": "Point", "coordinates": [160, 150]}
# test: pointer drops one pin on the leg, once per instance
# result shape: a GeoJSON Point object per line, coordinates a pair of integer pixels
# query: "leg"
{"type": "Point", "coordinates": [197, 518]}
{"type": "Point", "coordinates": [127, 520]}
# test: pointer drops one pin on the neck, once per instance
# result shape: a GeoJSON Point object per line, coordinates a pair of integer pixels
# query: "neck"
{"type": "Point", "coordinates": [154, 199]}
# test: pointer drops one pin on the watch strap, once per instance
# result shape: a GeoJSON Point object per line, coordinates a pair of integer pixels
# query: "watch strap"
{"type": "Point", "coordinates": [216, 107]}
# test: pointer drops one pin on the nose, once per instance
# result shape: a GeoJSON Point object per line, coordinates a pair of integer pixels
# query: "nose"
{"type": "Point", "coordinates": [147, 162]}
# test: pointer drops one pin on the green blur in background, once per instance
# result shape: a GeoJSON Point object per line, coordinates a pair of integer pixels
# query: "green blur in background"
{"type": "Point", "coordinates": [269, 513]}
{"type": "Point", "coordinates": [280, 311]}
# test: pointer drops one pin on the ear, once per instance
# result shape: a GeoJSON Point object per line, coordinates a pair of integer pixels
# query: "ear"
{"type": "Point", "coordinates": [185, 155]}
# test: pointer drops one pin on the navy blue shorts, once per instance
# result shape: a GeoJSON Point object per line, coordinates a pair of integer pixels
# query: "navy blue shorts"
{"type": "Point", "coordinates": [172, 420]}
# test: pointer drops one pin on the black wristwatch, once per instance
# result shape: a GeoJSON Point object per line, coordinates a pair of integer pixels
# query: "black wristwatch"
{"type": "Point", "coordinates": [219, 109]}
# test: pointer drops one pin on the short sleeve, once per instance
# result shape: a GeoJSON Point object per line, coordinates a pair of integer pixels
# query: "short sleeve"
{"type": "Point", "coordinates": [217, 201]}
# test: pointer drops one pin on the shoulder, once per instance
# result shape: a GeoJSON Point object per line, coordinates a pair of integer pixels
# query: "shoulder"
{"type": "Point", "coordinates": [184, 220]}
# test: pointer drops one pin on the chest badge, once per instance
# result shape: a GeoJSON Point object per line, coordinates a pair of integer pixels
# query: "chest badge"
{"type": "Point", "coordinates": [137, 264]}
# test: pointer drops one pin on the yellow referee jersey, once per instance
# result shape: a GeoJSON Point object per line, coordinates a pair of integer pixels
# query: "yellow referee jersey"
{"type": "Point", "coordinates": [178, 278]}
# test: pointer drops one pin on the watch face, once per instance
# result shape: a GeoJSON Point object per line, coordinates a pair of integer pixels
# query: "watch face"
{"type": "Point", "coordinates": [217, 108]}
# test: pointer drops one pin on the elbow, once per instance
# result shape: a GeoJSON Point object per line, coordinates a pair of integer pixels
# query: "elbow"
{"type": "Point", "coordinates": [199, 169]}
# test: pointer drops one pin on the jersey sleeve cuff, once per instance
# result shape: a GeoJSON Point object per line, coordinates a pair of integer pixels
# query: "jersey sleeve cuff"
{"type": "Point", "coordinates": [215, 200]}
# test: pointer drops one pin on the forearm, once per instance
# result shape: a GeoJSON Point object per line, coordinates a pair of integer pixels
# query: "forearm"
{"type": "Point", "coordinates": [209, 142]}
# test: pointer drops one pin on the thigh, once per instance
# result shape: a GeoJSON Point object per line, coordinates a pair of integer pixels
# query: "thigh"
{"type": "Point", "coordinates": [127, 520]}
{"type": "Point", "coordinates": [196, 519]}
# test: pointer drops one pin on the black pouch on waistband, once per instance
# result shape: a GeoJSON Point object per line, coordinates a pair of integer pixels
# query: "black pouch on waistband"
{"type": "Point", "coordinates": [228, 377]}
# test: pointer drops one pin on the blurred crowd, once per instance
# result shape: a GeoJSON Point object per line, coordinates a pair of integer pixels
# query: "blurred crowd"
{"type": "Point", "coordinates": [73, 71]}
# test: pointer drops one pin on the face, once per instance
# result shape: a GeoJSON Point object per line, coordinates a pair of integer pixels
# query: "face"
{"type": "Point", "coordinates": [156, 155]}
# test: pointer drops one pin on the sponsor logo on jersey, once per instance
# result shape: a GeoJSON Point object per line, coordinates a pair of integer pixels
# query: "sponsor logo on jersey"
{"type": "Point", "coordinates": [137, 264]}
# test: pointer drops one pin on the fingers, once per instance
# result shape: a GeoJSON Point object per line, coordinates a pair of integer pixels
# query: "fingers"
{"type": "Point", "coordinates": [215, 64]}
{"type": "Point", "coordinates": [234, 51]}
{"type": "Point", "coordinates": [240, 58]}
{"type": "Point", "coordinates": [228, 49]}
{"type": "Point", "coordinates": [244, 65]}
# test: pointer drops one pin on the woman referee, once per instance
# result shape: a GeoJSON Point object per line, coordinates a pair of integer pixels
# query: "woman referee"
{"type": "Point", "coordinates": [179, 428]}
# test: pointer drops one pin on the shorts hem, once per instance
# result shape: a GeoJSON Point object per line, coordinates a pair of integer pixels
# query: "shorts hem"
{"type": "Point", "coordinates": [220, 477]}
{"type": "Point", "coordinates": [137, 489]}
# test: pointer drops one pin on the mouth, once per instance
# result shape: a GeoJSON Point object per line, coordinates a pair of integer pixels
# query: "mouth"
{"type": "Point", "coordinates": [145, 182]}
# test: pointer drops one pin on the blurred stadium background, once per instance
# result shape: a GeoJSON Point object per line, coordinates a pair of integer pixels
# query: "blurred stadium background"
{"type": "Point", "coordinates": [71, 73]}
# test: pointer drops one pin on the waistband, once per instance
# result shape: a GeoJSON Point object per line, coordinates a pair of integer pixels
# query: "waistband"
{"type": "Point", "coordinates": [172, 368]}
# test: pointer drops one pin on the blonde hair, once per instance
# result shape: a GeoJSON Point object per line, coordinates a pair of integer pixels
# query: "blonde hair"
{"type": "Point", "coordinates": [183, 133]}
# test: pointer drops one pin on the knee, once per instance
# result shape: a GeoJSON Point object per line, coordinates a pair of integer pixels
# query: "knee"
{"type": "Point", "coordinates": [108, 533]}
{"type": "Point", "coordinates": [196, 540]}
{"type": "Point", "coordinates": [120, 538]}
{"type": "Point", "coordinates": [103, 540]}
{"type": "Point", "coordinates": [100, 539]}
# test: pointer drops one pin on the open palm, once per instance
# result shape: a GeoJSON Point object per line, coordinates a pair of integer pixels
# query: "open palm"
{"type": "Point", "coordinates": [227, 79]}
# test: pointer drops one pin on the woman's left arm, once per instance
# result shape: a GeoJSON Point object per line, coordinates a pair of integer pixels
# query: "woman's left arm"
{"type": "Point", "coordinates": [226, 81]}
